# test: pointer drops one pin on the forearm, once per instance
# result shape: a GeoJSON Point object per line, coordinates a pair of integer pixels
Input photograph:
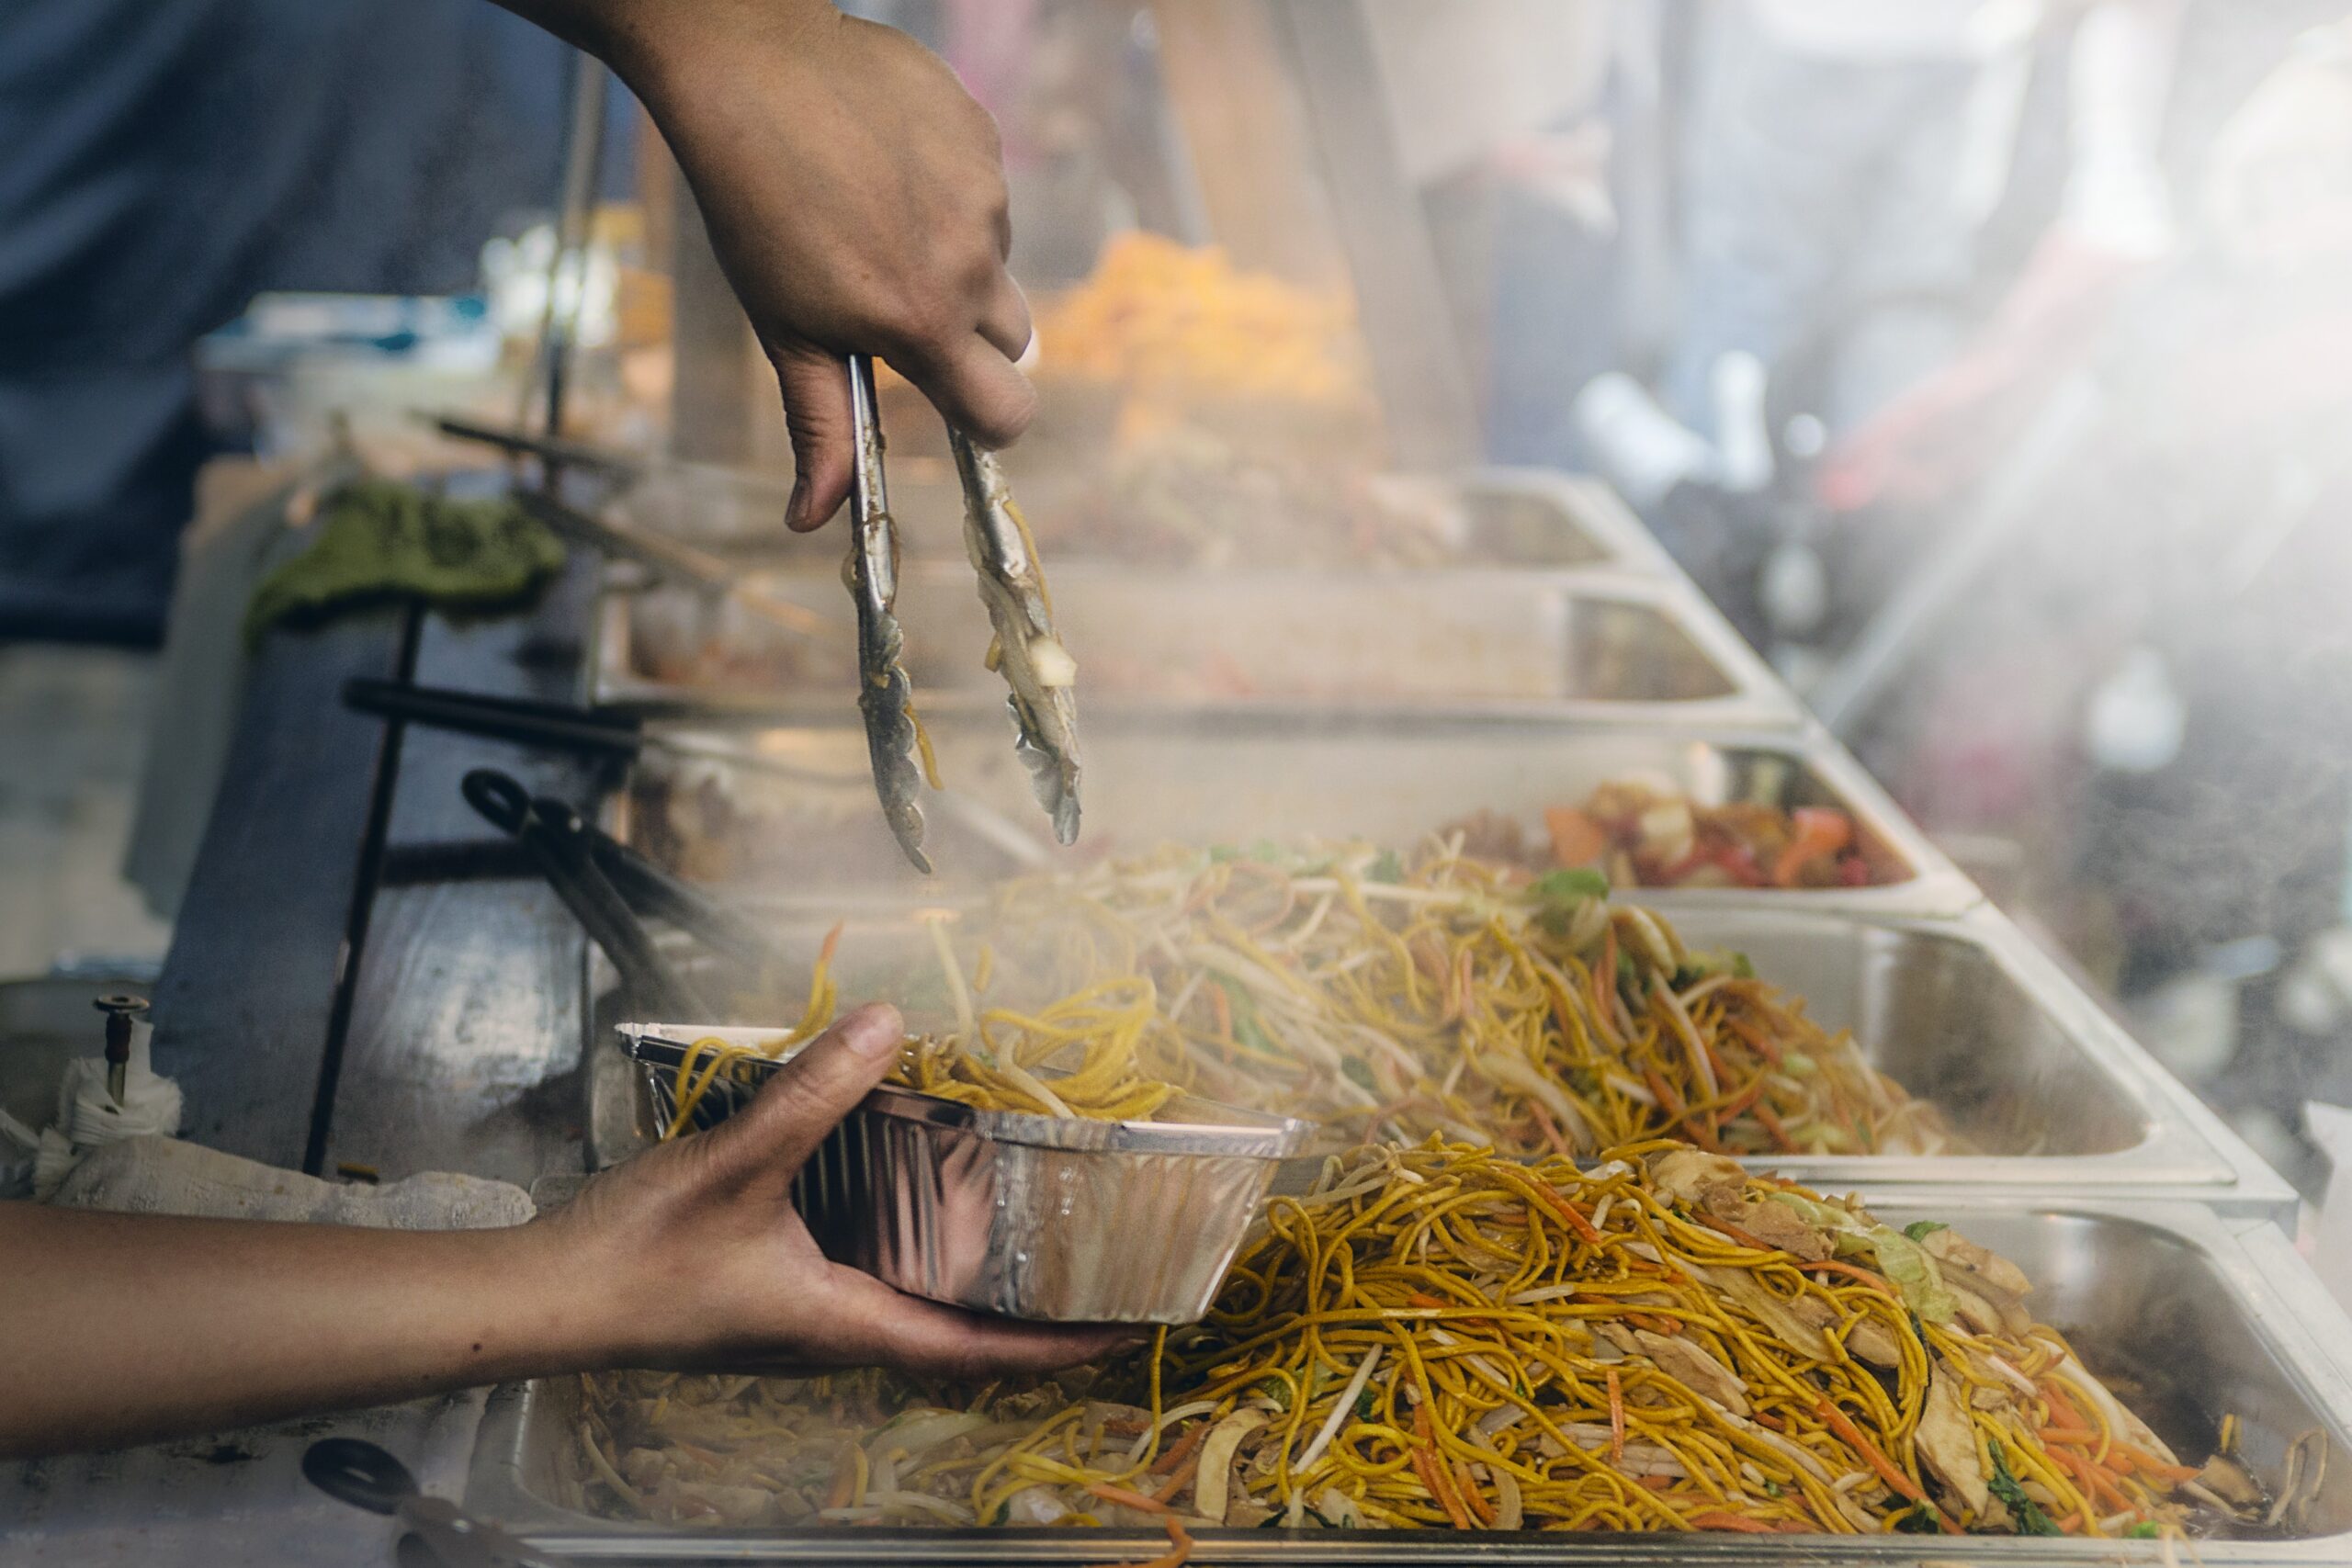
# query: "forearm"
{"type": "Point", "coordinates": [641, 40]}
{"type": "Point", "coordinates": [115, 1328]}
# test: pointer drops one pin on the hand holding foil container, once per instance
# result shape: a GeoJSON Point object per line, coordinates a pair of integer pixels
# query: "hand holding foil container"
{"type": "Point", "coordinates": [1067, 1220]}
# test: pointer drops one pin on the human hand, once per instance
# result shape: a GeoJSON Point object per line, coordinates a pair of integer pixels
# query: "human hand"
{"type": "Point", "coordinates": [1938, 436]}
{"type": "Point", "coordinates": [708, 1264]}
{"type": "Point", "coordinates": [856, 197]}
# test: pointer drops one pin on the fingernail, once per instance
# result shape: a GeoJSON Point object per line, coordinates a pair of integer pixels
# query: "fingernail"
{"type": "Point", "coordinates": [874, 1031]}
{"type": "Point", "coordinates": [796, 510]}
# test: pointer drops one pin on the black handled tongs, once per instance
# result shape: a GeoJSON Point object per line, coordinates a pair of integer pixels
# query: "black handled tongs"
{"type": "Point", "coordinates": [612, 890]}
{"type": "Point", "coordinates": [1025, 649]}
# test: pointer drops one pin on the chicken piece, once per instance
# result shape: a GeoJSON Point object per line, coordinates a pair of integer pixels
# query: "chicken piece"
{"type": "Point", "coordinates": [1776, 1224]}
{"type": "Point", "coordinates": [1617, 1334]}
{"type": "Point", "coordinates": [2118, 1414]}
{"type": "Point", "coordinates": [1695, 1369]}
{"type": "Point", "coordinates": [1688, 1174]}
{"type": "Point", "coordinates": [1874, 1342]}
{"type": "Point", "coordinates": [1947, 1445]}
{"type": "Point", "coordinates": [2009, 1314]}
{"type": "Point", "coordinates": [1490, 836]}
{"type": "Point", "coordinates": [1948, 1247]}
{"type": "Point", "coordinates": [2228, 1480]}
{"type": "Point", "coordinates": [1786, 1320]}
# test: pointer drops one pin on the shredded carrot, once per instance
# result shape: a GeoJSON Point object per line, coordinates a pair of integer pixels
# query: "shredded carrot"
{"type": "Point", "coordinates": [2094, 1476]}
{"type": "Point", "coordinates": [1851, 1436]}
{"type": "Point", "coordinates": [1182, 1478]}
{"type": "Point", "coordinates": [2068, 1434]}
{"type": "Point", "coordinates": [1764, 1114]}
{"type": "Point", "coordinates": [1572, 1214]}
{"type": "Point", "coordinates": [1716, 1519]}
{"type": "Point", "coordinates": [1616, 1420]}
{"type": "Point", "coordinates": [1604, 977]}
{"type": "Point", "coordinates": [1838, 1265]}
{"type": "Point", "coordinates": [1742, 1101]}
{"type": "Point", "coordinates": [2145, 1463]}
{"type": "Point", "coordinates": [1763, 1043]}
{"type": "Point", "coordinates": [837, 1496]}
{"type": "Point", "coordinates": [1744, 1236]}
{"type": "Point", "coordinates": [2061, 1406]}
{"type": "Point", "coordinates": [1426, 1465]}
{"type": "Point", "coordinates": [1221, 1005]}
{"type": "Point", "coordinates": [1550, 1132]}
{"type": "Point", "coordinates": [1576, 839]}
{"type": "Point", "coordinates": [1180, 1449]}
{"type": "Point", "coordinates": [1127, 1499]}
{"type": "Point", "coordinates": [1179, 1553]}
{"type": "Point", "coordinates": [1472, 1498]}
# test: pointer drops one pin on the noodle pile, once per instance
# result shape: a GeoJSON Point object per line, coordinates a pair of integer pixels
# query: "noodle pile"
{"type": "Point", "coordinates": [1439, 1338]}
{"type": "Point", "coordinates": [1380, 1000]}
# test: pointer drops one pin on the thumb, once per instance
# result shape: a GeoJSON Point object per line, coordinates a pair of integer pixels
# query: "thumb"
{"type": "Point", "coordinates": [808, 1096]}
{"type": "Point", "coordinates": [815, 385]}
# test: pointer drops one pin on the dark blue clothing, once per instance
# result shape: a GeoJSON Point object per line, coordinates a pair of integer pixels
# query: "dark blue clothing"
{"type": "Point", "coordinates": [162, 161]}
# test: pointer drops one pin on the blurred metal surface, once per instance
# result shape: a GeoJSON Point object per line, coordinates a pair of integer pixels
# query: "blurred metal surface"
{"type": "Point", "coordinates": [1465, 640]}
{"type": "Point", "coordinates": [1027, 1216]}
{"type": "Point", "coordinates": [258, 981]}
{"type": "Point", "coordinates": [467, 1013]}
{"type": "Point", "coordinates": [2205, 1317]}
{"type": "Point", "coordinates": [1227, 776]}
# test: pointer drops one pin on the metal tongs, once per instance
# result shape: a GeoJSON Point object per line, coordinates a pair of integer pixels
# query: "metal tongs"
{"type": "Point", "coordinates": [1026, 650]}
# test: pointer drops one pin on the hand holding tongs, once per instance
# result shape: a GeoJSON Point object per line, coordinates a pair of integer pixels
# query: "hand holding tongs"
{"type": "Point", "coordinates": [1024, 650]}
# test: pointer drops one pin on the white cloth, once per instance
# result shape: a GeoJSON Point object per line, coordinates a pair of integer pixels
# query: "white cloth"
{"type": "Point", "coordinates": [163, 1176]}
{"type": "Point", "coordinates": [89, 1117]}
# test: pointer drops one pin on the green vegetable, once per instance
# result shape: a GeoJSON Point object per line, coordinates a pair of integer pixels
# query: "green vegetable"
{"type": "Point", "coordinates": [1920, 1230]}
{"type": "Point", "coordinates": [2004, 1485]}
{"type": "Point", "coordinates": [1358, 1073]}
{"type": "Point", "coordinates": [1367, 1405]}
{"type": "Point", "coordinates": [1277, 1390]}
{"type": "Point", "coordinates": [1698, 967]}
{"type": "Point", "coordinates": [379, 540]}
{"type": "Point", "coordinates": [1220, 854]}
{"type": "Point", "coordinates": [1559, 894]}
{"type": "Point", "coordinates": [2146, 1529]}
{"type": "Point", "coordinates": [1387, 868]}
{"type": "Point", "coordinates": [1917, 1519]}
{"type": "Point", "coordinates": [1909, 1266]}
{"type": "Point", "coordinates": [1246, 1027]}
{"type": "Point", "coordinates": [1570, 887]}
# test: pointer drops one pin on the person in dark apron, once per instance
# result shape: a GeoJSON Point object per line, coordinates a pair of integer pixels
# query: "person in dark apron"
{"type": "Point", "coordinates": [168, 159]}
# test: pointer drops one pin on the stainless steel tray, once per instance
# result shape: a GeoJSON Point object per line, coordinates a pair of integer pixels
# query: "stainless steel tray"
{"type": "Point", "coordinates": [1029, 1216]}
{"type": "Point", "coordinates": [1512, 516]}
{"type": "Point", "coordinates": [1467, 639]}
{"type": "Point", "coordinates": [1968, 1013]}
{"type": "Point", "coordinates": [2208, 1318]}
{"type": "Point", "coordinates": [1232, 778]}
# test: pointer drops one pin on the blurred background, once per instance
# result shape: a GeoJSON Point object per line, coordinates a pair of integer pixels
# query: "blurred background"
{"type": "Point", "coordinates": [1985, 360]}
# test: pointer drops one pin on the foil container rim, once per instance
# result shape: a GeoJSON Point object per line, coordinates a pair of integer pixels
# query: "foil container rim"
{"type": "Point", "coordinates": [1233, 1134]}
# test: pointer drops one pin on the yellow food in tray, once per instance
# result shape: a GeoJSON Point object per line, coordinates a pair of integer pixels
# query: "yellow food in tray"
{"type": "Point", "coordinates": [1383, 999]}
{"type": "Point", "coordinates": [1174, 324]}
{"type": "Point", "coordinates": [1439, 1338]}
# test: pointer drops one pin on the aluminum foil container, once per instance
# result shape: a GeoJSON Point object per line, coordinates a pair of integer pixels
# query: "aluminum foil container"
{"type": "Point", "coordinates": [1064, 1220]}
